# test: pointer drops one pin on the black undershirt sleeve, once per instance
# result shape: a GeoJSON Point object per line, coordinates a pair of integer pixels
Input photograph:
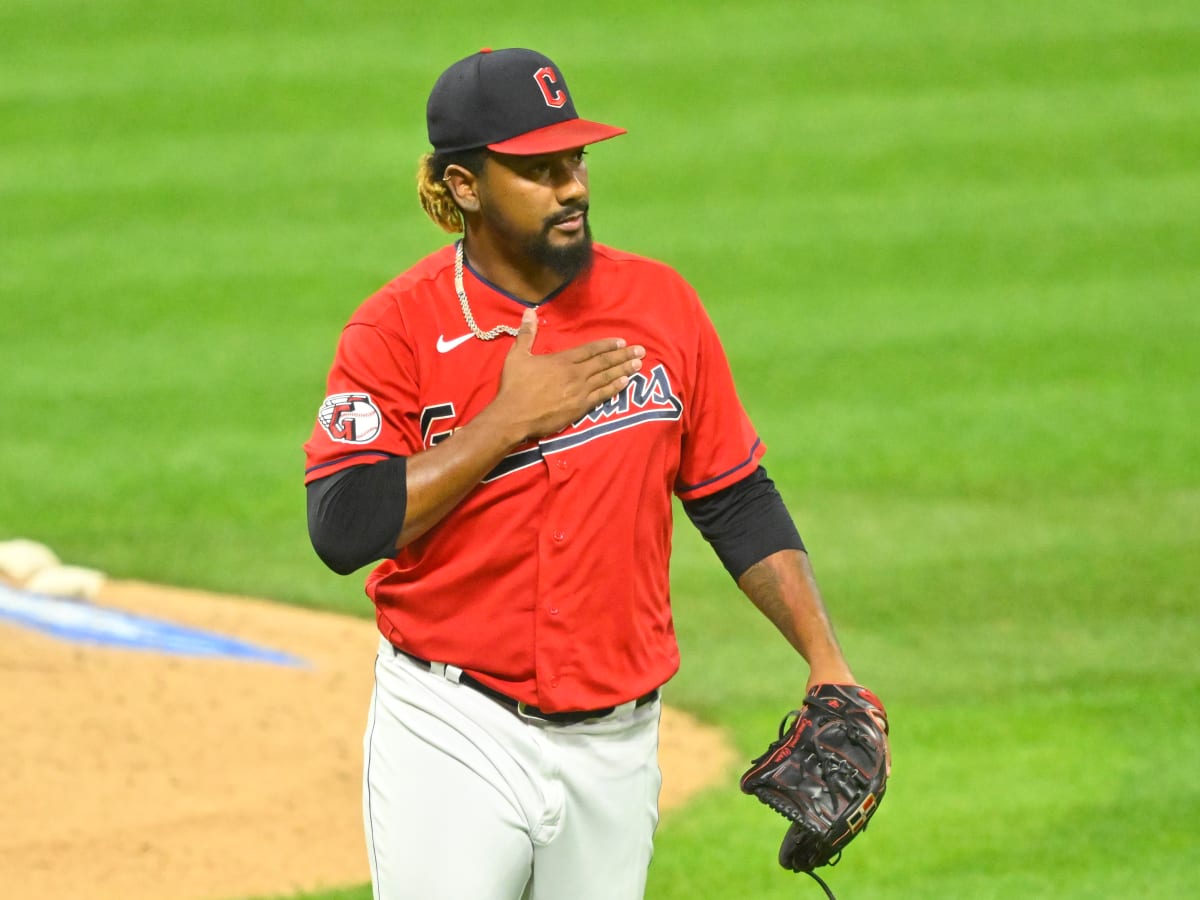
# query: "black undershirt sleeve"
{"type": "Point", "coordinates": [745, 522]}
{"type": "Point", "coordinates": [355, 515]}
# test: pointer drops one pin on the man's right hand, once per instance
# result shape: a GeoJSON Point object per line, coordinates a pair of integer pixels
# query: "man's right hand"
{"type": "Point", "coordinates": [541, 394]}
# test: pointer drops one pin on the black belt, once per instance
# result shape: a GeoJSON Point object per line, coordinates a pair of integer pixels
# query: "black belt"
{"type": "Point", "coordinates": [524, 709]}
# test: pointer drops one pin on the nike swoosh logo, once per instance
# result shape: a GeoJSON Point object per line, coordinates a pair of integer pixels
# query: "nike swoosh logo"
{"type": "Point", "coordinates": [445, 346]}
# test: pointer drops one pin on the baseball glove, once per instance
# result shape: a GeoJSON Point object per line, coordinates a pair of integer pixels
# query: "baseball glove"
{"type": "Point", "coordinates": [827, 773]}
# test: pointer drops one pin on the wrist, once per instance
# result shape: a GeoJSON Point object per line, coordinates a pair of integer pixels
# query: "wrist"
{"type": "Point", "coordinates": [499, 429]}
{"type": "Point", "coordinates": [832, 671]}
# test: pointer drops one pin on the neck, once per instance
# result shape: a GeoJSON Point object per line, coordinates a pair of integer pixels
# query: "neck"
{"type": "Point", "coordinates": [522, 279]}
{"type": "Point", "coordinates": [517, 275]}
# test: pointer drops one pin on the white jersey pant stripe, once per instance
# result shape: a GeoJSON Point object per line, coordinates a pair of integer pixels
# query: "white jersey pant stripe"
{"type": "Point", "coordinates": [463, 800]}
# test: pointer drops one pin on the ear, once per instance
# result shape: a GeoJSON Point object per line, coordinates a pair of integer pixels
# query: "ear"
{"type": "Point", "coordinates": [463, 186]}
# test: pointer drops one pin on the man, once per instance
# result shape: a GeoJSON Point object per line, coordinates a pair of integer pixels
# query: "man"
{"type": "Point", "coordinates": [505, 425]}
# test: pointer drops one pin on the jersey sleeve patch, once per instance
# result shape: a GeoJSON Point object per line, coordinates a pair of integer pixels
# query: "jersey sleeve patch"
{"type": "Point", "coordinates": [351, 418]}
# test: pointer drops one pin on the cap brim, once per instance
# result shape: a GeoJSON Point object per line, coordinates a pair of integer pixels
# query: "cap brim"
{"type": "Point", "coordinates": [557, 137]}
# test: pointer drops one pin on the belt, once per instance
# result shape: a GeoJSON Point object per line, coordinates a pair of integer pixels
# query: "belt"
{"type": "Point", "coordinates": [524, 710]}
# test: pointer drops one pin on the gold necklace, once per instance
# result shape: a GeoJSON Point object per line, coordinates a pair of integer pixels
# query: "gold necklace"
{"type": "Point", "coordinates": [466, 307]}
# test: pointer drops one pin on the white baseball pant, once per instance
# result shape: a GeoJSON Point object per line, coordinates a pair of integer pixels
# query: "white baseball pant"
{"type": "Point", "coordinates": [464, 800]}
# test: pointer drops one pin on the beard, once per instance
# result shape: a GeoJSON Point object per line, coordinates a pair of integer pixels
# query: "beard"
{"type": "Point", "coordinates": [565, 260]}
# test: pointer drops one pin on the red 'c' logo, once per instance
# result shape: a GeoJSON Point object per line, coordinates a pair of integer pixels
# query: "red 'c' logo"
{"type": "Point", "coordinates": [546, 79]}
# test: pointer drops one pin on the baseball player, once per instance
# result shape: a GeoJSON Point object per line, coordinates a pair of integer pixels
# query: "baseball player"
{"type": "Point", "coordinates": [504, 428]}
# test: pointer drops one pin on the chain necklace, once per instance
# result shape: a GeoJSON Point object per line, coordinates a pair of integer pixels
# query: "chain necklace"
{"type": "Point", "coordinates": [466, 307]}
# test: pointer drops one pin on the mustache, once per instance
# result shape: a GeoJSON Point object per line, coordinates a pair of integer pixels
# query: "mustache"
{"type": "Point", "coordinates": [569, 213]}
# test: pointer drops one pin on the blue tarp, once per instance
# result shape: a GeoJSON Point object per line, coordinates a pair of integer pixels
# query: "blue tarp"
{"type": "Point", "coordinates": [82, 622]}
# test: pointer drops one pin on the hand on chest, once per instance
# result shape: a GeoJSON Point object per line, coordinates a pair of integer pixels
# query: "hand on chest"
{"type": "Point", "coordinates": [462, 380]}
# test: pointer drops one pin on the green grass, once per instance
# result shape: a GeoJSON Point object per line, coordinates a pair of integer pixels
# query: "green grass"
{"type": "Point", "coordinates": [952, 248]}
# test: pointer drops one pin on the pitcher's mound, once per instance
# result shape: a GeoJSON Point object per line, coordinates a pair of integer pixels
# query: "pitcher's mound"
{"type": "Point", "coordinates": [135, 774]}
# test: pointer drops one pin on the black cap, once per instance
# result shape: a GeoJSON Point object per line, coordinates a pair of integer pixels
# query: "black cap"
{"type": "Point", "coordinates": [511, 101]}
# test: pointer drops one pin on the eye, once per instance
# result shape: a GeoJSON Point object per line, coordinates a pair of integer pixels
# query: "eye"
{"type": "Point", "coordinates": [546, 167]}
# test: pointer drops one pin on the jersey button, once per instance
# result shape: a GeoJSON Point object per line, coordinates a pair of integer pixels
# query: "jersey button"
{"type": "Point", "coordinates": [561, 463]}
{"type": "Point", "coordinates": [560, 536]}
{"type": "Point", "coordinates": [553, 610]}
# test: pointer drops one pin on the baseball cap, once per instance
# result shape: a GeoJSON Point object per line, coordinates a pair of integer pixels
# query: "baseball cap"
{"type": "Point", "coordinates": [512, 101]}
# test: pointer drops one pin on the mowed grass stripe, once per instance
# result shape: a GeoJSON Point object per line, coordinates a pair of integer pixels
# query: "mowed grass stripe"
{"type": "Point", "coordinates": [950, 247]}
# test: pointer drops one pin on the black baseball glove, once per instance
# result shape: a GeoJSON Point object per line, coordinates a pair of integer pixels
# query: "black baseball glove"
{"type": "Point", "coordinates": [826, 773]}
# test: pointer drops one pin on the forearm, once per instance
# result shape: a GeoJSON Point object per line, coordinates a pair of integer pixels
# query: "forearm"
{"type": "Point", "coordinates": [439, 478]}
{"type": "Point", "coordinates": [368, 512]}
{"type": "Point", "coordinates": [784, 589]}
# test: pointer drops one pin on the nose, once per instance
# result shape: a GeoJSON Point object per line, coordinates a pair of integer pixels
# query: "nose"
{"type": "Point", "coordinates": [571, 183]}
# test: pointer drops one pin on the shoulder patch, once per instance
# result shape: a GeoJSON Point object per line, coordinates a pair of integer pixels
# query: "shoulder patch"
{"type": "Point", "coordinates": [350, 418]}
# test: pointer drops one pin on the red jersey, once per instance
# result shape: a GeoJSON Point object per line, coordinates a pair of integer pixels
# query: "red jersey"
{"type": "Point", "coordinates": [550, 580]}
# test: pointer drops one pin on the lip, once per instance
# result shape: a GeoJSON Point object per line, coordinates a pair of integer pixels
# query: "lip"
{"type": "Point", "coordinates": [571, 224]}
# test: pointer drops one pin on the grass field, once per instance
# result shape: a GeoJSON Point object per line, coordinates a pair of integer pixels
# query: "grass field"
{"type": "Point", "coordinates": [954, 250]}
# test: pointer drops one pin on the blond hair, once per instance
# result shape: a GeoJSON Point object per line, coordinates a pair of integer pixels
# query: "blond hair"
{"type": "Point", "coordinates": [435, 196]}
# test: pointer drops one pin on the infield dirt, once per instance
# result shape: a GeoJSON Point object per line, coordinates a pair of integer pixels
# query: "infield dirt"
{"type": "Point", "coordinates": [132, 774]}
